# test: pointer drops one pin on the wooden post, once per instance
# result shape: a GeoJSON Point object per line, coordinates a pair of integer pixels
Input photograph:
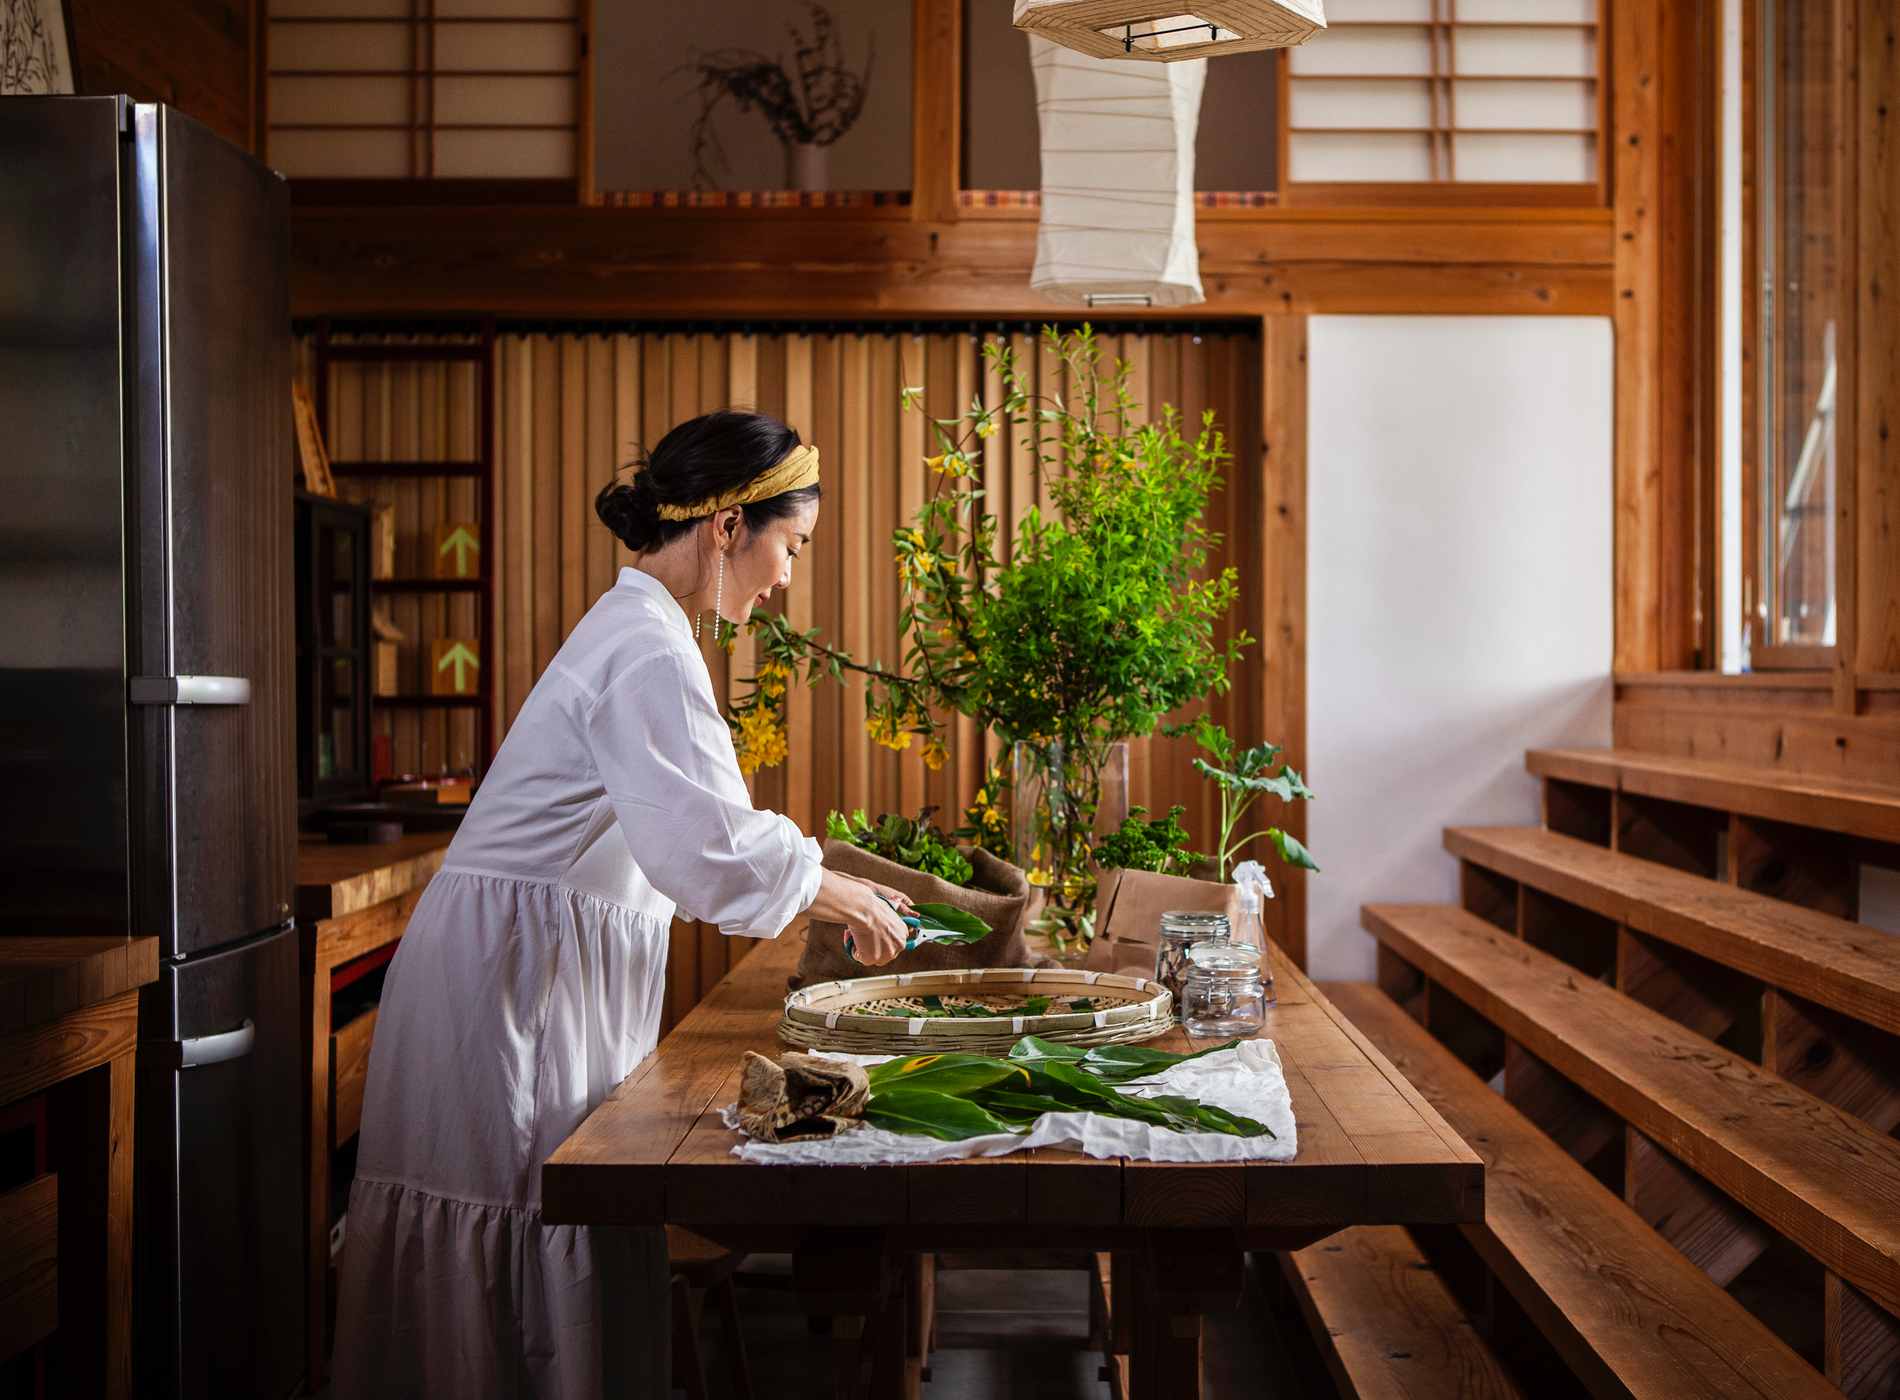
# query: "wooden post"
{"type": "Point", "coordinates": [1282, 532]}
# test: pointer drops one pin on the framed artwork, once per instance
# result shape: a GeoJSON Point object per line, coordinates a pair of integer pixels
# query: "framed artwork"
{"type": "Point", "coordinates": [35, 48]}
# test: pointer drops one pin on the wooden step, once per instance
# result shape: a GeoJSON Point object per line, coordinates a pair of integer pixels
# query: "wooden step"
{"type": "Point", "coordinates": [1825, 804]}
{"type": "Point", "coordinates": [1630, 1315]}
{"type": "Point", "coordinates": [1385, 1323]}
{"type": "Point", "coordinates": [1849, 967]}
{"type": "Point", "coordinates": [1815, 1174]}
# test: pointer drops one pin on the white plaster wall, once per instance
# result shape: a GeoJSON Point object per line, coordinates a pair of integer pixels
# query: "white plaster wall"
{"type": "Point", "coordinates": [1459, 591]}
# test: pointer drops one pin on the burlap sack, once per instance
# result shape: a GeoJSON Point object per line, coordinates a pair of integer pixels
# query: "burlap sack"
{"type": "Point", "coordinates": [998, 894]}
{"type": "Point", "coordinates": [1128, 909]}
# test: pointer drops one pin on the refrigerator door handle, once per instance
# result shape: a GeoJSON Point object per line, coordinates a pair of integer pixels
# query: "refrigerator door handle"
{"type": "Point", "coordinates": [190, 690]}
{"type": "Point", "coordinates": [215, 1049]}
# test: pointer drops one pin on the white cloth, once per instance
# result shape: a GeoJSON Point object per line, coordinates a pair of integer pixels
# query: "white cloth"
{"type": "Point", "coordinates": [1246, 1080]}
{"type": "Point", "coordinates": [530, 981]}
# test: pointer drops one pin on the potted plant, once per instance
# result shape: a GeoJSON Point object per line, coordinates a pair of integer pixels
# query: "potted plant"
{"type": "Point", "coordinates": [808, 106]}
{"type": "Point", "coordinates": [912, 855]}
{"type": "Point", "coordinates": [1100, 622]}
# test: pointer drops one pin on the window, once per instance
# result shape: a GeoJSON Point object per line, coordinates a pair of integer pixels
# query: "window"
{"type": "Point", "coordinates": [1454, 93]}
{"type": "Point", "coordinates": [425, 89]}
{"type": "Point", "coordinates": [1796, 340]}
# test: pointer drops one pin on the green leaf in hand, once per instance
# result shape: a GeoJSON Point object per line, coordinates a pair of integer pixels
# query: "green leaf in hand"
{"type": "Point", "coordinates": [948, 919]}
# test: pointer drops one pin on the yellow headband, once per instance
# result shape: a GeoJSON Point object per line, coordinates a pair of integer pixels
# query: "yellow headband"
{"type": "Point", "coordinates": [797, 471]}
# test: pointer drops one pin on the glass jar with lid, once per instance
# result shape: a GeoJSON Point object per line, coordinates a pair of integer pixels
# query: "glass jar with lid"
{"type": "Point", "coordinates": [1223, 993]}
{"type": "Point", "coordinates": [1181, 929]}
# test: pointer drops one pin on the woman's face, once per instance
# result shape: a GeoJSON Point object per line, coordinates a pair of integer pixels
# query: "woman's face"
{"type": "Point", "coordinates": [761, 560]}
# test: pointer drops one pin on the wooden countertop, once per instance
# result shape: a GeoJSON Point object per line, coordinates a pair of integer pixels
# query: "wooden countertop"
{"type": "Point", "coordinates": [41, 978]}
{"type": "Point", "coordinates": [334, 880]}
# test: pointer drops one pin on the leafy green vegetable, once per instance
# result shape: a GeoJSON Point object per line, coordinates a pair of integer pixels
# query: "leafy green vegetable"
{"type": "Point", "coordinates": [1121, 1064]}
{"type": "Point", "coordinates": [1145, 843]}
{"type": "Point", "coordinates": [913, 842]}
{"type": "Point", "coordinates": [1035, 1006]}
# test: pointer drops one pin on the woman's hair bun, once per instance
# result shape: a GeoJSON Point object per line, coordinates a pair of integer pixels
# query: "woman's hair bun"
{"type": "Point", "coordinates": [631, 510]}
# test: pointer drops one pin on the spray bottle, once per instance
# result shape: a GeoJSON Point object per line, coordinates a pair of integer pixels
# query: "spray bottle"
{"type": "Point", "coordinates": [1250, 929]}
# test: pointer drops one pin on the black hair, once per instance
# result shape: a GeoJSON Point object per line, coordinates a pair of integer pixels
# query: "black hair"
{"type": "Point", "coordinates": [699, 459]}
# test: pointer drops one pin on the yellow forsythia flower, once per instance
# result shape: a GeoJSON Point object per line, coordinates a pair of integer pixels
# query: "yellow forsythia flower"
{"type": "Point", "coordinates": [987, 428]}
{"type": "Point", "coordinates": [934, 753]}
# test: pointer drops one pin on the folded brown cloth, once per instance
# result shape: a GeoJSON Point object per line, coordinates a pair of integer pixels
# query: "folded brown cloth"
{"type": "Point", "coordinates": [801, 1096]}
{"type": "Point", "coordinates": [998, 894]}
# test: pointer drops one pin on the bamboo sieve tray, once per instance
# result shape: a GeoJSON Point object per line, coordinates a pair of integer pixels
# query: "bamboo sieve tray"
{"type": "Point", "coordinates": [842, 1015]}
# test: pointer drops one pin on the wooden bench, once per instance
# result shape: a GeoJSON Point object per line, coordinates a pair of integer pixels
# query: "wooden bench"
{"type": "Point", "coordinates": [1385, 1322]}
{"type": "Point", "coordinates": [1630, 1315]}
{"type": "Point", "coordinates": [1830, 961]}
{"type": "Point", "coordinates": [1711, 1130]}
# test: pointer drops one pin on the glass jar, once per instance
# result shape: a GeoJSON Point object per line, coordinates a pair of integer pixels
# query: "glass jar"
{"type": "Point", "coordinates": [1224, 994]}
{"type": "Point", "coordinates": [1181, 929]}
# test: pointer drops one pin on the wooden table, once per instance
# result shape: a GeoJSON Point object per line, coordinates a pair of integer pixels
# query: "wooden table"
{"type": "Point", "coordinates": [1371, 1151]}
{"type": "Point", "coordinates": [353, 903]}
{"type": "Point", "coordinates": [69, 1013]}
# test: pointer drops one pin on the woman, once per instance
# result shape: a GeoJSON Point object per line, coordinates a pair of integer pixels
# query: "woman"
{"type": "Point", "coordinates": [532, 974]}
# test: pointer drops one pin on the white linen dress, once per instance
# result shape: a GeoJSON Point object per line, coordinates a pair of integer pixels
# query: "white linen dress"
{"type": "Point", "coordinates": [530, 981]}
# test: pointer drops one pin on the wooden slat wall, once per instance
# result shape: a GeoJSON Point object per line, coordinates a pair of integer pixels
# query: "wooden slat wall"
{"type": "Point", "coordinates": [413, 412]}
{"type": "Point", "coordinates": [570, 409]}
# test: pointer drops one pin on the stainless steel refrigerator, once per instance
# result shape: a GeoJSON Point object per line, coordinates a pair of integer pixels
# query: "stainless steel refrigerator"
{"type": "Point", "coordinates": [146, 707]}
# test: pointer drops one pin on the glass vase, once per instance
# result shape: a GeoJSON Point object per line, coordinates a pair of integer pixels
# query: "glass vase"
{"type": "Point", "coordinates": [1062, 799]}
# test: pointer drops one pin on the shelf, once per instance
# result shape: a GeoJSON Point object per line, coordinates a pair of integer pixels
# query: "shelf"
{"type": "Point", "coordinates": [1415, 77]}
{"type": "Point", "coordinates": [1441, 130]}
{"type": "Point", "coordinates": [392, 354]}
{"type": "Point", "coordinates": [425, 585]}
{"type": "Point", "coordinates": [468, 469]}
{"type": "Point", "coordinates": [428, 702]}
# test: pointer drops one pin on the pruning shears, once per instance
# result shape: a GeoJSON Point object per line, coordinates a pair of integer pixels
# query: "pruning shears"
{"type": "Point", "coordinates": [911, 921]}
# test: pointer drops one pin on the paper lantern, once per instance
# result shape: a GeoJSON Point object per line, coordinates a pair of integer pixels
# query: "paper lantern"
{"type": "Point", "coordinates": [1117, 179]}
{"type": "Point", "coordinates": [1119, 29]}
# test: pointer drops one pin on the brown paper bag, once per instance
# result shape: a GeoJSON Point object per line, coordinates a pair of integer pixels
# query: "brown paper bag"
{"type": "Point", "coordinates": [1128, 909]}
{"type": "Point", "coordinates": [998, 894]}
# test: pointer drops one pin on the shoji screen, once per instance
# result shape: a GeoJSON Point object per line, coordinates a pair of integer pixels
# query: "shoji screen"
{"type": "Point", "coordinates": [425, 89]}
{"type": "Point", "coordinates": [1448, 91]}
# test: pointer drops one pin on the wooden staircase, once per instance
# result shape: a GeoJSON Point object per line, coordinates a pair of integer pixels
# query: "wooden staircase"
{"type": "Point", "coordinates": [1657, 1021]}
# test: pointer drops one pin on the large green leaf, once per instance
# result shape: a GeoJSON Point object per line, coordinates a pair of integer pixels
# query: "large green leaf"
{"type": "Point", "coordinates": [1205, 1117]}
{"type": "Point", "coordinates": [1119, 1064]}
{"type": "Point", "coordinates": [1291, 851]}
{"type": "Point", "coordinates": [935, 1115]}
{"type": "Point", "coordinates": [1033, 1048]}
{"type": "Point", "coordinates": [948, 919]}
{"type": "Point", "coordinates": [944, 1074]}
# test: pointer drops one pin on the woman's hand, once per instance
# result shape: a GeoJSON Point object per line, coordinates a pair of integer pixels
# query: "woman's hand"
{"type": "Point", "coordinates": [874, 926]}
{"type": "Point", "coordinates": [897, 897]}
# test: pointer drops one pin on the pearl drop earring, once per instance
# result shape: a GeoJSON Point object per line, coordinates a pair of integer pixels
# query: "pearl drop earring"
{"type": "Point", "coordinates": [719, 593]}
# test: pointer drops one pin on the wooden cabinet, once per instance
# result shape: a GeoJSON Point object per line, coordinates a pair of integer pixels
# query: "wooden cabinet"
{"type": "Point", "coordinates": [68, 1042]}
